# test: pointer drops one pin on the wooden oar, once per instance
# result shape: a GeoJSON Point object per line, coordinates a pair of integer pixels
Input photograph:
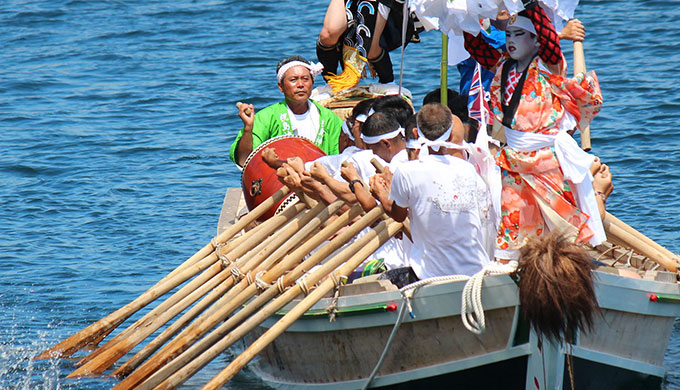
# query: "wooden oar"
{"type": "Point", "coordinates": [362, 247]}
{"type": "Point", "coordinates": [407, 222]}
{"type": "Point", "coordinates": [213, 293]}
{"type": "Point", "coordinates": [104, 326]}
{"type": "Point", "coordinates": [289, 236]}
{"type": "Point", "coordinates": [185, 293]}
{"type": "Point", "coordinates": [113, 351]}
{"type": "Point", "coordinates": [580, 67]}
{"type": "Point", "coordinates": [273, 290]}
{"type": "Point", "coordinates": [622, 234]}
{"type": "Point", "coordinates": [251, 238]}
{"type": "Point", "coordinates": [270, 276]}
{"type": "Point", "coordinates": [284, 323]}
{"type": "Point", "coordinates": [640, 236]}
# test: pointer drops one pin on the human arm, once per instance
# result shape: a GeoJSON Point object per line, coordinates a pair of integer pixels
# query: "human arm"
{"type": "Point", "coordinates": [350, 174]}
{"type": "Point", "coordinates": [602, 184]}
{"type": "Point", "coordinates": [338, 188]}
{"type": "Point", "coordinates": [316, 189]}
{"type": "Point", "coordinates": [245, 145]}
{"type": "Point", "coordinates": [270, 157]}
{"type": "Point", "coordinates": [573, 31]}
{"type": "Point", "coordinates": [482, 51]}
{"type": "Point", "coordinates": [549, 51]}
{"type": "Point", "coordinates": [380, 188]}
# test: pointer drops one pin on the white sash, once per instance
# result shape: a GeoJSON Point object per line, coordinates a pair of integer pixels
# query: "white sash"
{"type": "Point", "coordinates": [575, 164]}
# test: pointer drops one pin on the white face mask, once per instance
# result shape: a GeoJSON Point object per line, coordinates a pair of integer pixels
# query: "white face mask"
{"type": "Point", "coordinates": [520, 43]}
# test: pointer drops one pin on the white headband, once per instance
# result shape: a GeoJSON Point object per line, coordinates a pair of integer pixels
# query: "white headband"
{"type": "Point", "coordinates": [370, 140]}
{"type": "Point", "coordinates": [443, 140]}
{"type": "Point", "coordinates": [361, 118]}
{"type": "Point", "coordinates": [346, 130]}
{"type": "Point", "coordinates": [314, 69]}
{"type": "Point", "coordinates": [413, 144]}
{"type": "Point", "coordinates": [522, 22]}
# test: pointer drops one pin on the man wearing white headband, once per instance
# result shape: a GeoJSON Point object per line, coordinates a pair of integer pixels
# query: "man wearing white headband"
{"type": "Point", "coordinates": [385, 137]}
{"type": "Point", "coordinates": [445, 199]}
{"type": "Point", "coordinates": [296, 114]}
{"type": "Point", "coordinates": [546, 179]}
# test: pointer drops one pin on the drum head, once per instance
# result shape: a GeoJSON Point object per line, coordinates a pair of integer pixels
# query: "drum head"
{"type": "Point", "coordinates": [259, 181]}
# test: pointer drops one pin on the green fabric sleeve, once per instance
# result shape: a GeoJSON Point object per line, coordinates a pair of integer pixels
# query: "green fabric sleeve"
{"type": "Point", "coordinates": [332, 129]}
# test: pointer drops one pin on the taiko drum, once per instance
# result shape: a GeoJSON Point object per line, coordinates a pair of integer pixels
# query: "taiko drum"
{"type": "Point", "coordinates": [259, 181]}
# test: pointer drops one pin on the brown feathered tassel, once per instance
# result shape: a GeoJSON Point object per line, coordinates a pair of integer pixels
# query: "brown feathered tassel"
{"type": "Point", "coordinates": [556, 289]}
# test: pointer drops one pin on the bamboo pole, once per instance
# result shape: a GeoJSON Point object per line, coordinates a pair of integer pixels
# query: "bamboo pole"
{"type": "Point", "coordinates": [131, 364]}
{"type": "Point", "coordinates": [387, 230]}
{"type": "Point", "coordinates": [624, 235]}
{"type": "Point", "coordinates": [443, 71]}
{"type": "Point", "coordinates": [273, 290]}
{"type": "Point", "coordinates": [180, 296]}
{"type": "Point", "coordinates": [213, 293]}
{"type": "Point", "coordinates": [355, 253]}
{"type": "Point", "coordinates": [641, 236]}
{"type": "Point", "coordinates": [580, 67]}
{"type": "Point", "coordinates": [104, 326]}
{"type": "Point", "coordinates": [407, 222]}
{"type": "Point", "coordinates": [289, 236]}
{"type": "Point", "coordinates": [104, 357]}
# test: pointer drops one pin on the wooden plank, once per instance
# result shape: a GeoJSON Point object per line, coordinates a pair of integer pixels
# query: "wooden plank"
{"type": "Point", "coordinates": [629, 335]}
{"type": "Point", "coordinates": [233, 202]}
{"type": "Point", "coordinates": [352, 353]}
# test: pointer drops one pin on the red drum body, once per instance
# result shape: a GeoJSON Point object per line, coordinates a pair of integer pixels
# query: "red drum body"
{"type": "Point", "coordinates": [259, 181]}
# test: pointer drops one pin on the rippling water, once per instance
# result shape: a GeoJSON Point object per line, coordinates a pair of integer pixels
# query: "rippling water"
{"type": "Point", "coordinates": [115, 123]}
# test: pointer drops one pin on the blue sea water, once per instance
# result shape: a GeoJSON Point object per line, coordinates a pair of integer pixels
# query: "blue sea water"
{"type": "Point", "coordinates": [115, 123]}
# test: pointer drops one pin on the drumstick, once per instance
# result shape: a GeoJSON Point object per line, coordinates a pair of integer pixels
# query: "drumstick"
{"type": "Point", "coordinates": [247, 111]}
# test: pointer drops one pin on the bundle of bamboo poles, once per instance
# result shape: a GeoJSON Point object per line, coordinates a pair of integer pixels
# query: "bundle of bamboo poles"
{"type": "Point", "coordinates": [258, 272]}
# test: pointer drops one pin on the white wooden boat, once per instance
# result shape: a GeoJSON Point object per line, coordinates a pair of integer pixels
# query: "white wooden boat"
{"type": "Point", "coordinates": [434, 349]}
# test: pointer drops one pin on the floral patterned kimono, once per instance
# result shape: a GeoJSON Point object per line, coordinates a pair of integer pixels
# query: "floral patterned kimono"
{"type": "Point", "coordinates": [545, 176]}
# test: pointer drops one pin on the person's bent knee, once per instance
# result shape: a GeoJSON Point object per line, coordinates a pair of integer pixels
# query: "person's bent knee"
{"type": "Point", "coordinates": [327, 37]}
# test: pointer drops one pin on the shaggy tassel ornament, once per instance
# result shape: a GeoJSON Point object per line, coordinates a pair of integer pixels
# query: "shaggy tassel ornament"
{"type": "Point", "coordinates": [556, 289]}
{"type": "Point", "coordinates": [354, 67]}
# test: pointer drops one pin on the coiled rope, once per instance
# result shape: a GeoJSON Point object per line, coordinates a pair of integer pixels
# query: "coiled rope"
{"type": "Point", "coordinates": [472, 296]}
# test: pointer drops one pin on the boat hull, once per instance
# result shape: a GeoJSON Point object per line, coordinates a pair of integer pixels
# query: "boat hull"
{"type": "Point", "coordinates": [626, 345]}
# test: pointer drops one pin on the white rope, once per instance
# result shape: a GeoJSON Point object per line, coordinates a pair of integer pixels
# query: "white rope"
{"type": "Point", "coordinates": [261, 284]}
{"type": "Point", "coordinates": [475, 321]}
{"type": "Point", "coordinates": [303, 285]}
{"type": "Point", "coordinates": [236, 274]}
{"type": "Point", "coordinates": [472, 292]}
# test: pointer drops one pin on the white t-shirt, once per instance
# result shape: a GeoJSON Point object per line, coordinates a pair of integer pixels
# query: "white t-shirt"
{"type": "Point", "coordinates": [398, 159]}
{"type": "Point", "coordinates": [333, 162]}
{"type": "Point", "coordinates": [445, 197]}
{"type": "Point", "coordinates": [394, 251]}
{"type": "Point", "coordinates": [307, 124]}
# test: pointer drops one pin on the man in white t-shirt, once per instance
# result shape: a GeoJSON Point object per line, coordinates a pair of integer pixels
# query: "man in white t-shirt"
{"type": "Point", "coordinates": [442, 195]}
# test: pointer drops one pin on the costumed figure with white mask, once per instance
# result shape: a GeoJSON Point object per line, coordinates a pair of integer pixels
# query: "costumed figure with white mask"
{"type": "Point", "coordinates": [296, 114]}
{"type": "Point", "coordinates": [546, 179]}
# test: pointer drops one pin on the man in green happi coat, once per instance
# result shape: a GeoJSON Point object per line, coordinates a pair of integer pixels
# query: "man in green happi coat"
{"type": "Point", "coordinates": [296, 114]}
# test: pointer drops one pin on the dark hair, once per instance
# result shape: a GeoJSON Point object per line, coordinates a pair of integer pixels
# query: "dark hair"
{"type": "Point", "coordinates": [378, 124]}
{"type": "Point", "coordinates": [433, 120]}
{"type": "Point", "coordinates": [456, 102]}
{"type": "Point", "coordinates": [395, 105]}
{"type": "Point", "coordinates": [363, 107]}
{"type": "Point", "coordinates": [411, 123]}
{"type": "Point", "coordinates": [290, 59]}
{"type": "Point", "coordinates": [473, 128]}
